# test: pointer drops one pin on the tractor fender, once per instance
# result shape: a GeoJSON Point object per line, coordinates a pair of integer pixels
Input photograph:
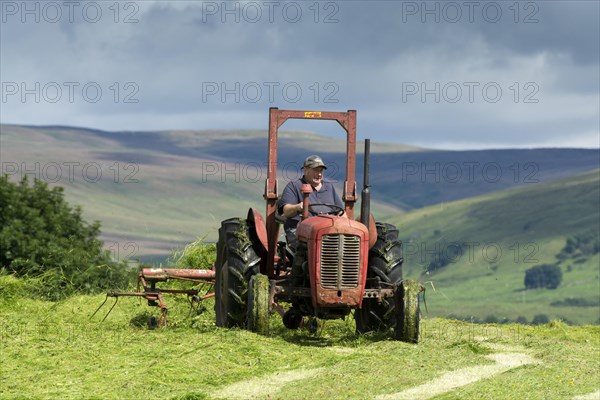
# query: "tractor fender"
{"type": "Point", "coordinates": [257, 222]}
{"type": "Point", "coordinates": [372, 231]}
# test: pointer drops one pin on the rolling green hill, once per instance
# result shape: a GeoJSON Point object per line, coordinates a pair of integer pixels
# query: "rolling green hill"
{"type": "Point", "coordinates": [155, 191]}
{"type": "Point", "coordinates": [475, 252]}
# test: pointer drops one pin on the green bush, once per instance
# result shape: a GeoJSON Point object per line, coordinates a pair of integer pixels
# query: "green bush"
{"type": "Point", "coordinates": [540, 319]}
{"type": "Point", "coordinates": [543, 276]}
{"type": "Point", "coordinates": [580, 246]}
{"type": "Point", "coordinates": [491, 319]}
{"type": "Point", "coordinates": [42, 236]}
{"type": "Point", "coordinates": [576, 302]}
{"type": "Point", "coordinates": [521, 320]}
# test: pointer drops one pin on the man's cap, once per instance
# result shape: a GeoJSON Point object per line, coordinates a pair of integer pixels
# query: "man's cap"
{"type": "Point", "coordinates": [314, 161]}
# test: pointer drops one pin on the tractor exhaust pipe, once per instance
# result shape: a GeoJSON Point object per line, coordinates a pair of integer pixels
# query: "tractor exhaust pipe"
{"type": "Point", "coordinates": [365, 195]}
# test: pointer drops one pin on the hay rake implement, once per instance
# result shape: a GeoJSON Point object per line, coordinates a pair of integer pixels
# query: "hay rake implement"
{"type": "Point", "coordinates": [147, 280]}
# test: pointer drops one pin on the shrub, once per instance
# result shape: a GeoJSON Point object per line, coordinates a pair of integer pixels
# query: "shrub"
{"type": "Point", "coordinates": [540, 319]}
{"type": "Point", "coordinates": [42, 236]}
{"type": "Point", "coordinates": [580, 246]}
{"type": "Point", "coordinates": [543, 276]}
{"type": "Point", "coordinates": [441, 260]}
{"type": "Point", "coordinates": [521, 320]}
{"type": "Point", "coordinates": [576, 302]}
{"type": "Point", "coordinates": [491, 319]}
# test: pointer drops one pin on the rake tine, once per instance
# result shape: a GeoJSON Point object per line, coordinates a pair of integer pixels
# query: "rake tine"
{"type": "Point", "coordinates": [109, 311]}
{"type": "Point", "coordinates": [100, 306]}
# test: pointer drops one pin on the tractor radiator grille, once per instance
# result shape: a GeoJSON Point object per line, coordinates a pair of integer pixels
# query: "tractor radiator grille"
{"type": "Point", "coordinates": [340, 261]}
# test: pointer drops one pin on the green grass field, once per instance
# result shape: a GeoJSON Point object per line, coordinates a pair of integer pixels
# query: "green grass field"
{"type": "Point", "coordinates": [53, 350]}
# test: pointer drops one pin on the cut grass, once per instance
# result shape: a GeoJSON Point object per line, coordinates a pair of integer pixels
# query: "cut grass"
{"type": "Point", "coordinates": [68, 356]}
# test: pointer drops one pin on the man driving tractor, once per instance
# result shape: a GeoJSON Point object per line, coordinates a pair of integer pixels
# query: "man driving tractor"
{"type": "Point", "coordinates": [323, 197]}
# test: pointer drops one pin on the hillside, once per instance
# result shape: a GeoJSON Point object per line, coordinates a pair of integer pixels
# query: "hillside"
{"type": "Point", "coordinates": [154, 191]}
{"type": "Point", "coordinates": [415, 180]}
{"type": "Point", "coordinates": [475, 251]}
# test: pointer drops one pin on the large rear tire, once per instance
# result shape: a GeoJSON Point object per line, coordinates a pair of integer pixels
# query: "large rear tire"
{"type": "Point", "coordinates": [385, 271]}
{"type": "Point", "coordinates": [237, 262]}
{"type": "Point", "coordinates": [258, 304]}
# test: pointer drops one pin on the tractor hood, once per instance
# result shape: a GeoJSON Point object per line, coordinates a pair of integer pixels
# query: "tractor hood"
{"type": "Point", "coordinates": [308, 229]}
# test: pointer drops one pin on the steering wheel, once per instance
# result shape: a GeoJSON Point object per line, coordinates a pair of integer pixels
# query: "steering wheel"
{"type": "Point", "coordinates": [334, 209]}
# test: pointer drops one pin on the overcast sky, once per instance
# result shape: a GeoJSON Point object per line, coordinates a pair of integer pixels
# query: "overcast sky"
{"type": "Point", "coordinates": [454, 75]}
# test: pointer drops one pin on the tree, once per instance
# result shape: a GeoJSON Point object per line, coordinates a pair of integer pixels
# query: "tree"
{"type": "Point", "coordinates": [543, 276]}
{"type": "Point", "coordinates": [42, 236]}
{"type": "Point", "coordinates": [491, 319]}
{"type": "Point", "coordinates": [521, 320]}
{"type": "Point", "coordinates": [540, 319]}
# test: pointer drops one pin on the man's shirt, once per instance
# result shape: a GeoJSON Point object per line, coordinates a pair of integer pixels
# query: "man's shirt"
{"type": "Point", "coordinates": [292, 194]}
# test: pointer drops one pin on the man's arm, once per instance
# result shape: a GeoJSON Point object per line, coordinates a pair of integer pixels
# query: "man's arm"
{"type": "Point", "coordinates": [291, 210]}
{"type": "Point", "coordinates": [290, 204]}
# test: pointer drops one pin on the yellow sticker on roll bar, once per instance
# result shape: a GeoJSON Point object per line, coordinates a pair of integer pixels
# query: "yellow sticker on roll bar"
{"type": "Point", "coordinates": [312, 114]}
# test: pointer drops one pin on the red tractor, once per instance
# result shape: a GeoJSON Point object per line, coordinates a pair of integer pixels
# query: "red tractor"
{"type": "Point", "coordinates": [340, 264]}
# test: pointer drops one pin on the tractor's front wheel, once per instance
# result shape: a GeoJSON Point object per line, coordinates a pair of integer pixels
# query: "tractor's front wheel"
{"type": "Point", "coordinates": [408, 315]}
{"type": "Point", "coordinates": [259, 304]}
{"type": "Point", "coordinates": [237, 262]}
{"type": "Point", "coordinates": [385, 271]}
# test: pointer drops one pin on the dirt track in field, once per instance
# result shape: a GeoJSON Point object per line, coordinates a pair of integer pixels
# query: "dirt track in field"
{"type": "Point", "coordinates": [264, 387]}
{"type": "Point", "coordinates": [505, 359]}
{"type": "Point", "coordinates": [462, 377]}
{"type": "Point", "coordinates": [590, 396]}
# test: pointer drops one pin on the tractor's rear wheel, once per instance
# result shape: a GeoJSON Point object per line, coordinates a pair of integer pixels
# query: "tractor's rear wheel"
{"type": "Point", "coordinates": [385, 271]}
{"type": "Point", "coordinates": [237, 262]}
{"type": "Point", "coordinates": [408, 312]}
{"type": "Point", "coordinates": [259, 304]}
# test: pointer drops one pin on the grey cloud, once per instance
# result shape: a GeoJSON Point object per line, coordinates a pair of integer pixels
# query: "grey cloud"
{"type": "Point", "coordinates": [369, 56]}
